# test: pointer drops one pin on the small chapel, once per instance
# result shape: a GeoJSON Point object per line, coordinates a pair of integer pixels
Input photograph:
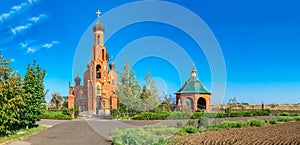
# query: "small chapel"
{"type": "Point", "coordinates": [193, 95]}
{"type": "Point", "coordinates": [97, 94]}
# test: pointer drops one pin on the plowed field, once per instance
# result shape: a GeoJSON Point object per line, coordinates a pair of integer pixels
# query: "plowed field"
{"type": "Point", "coordinates": [279, 134]}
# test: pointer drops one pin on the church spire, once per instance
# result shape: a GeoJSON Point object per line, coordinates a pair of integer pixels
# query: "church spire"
{"type": "Point", "coordinates": [98, 26]}
{"type": "Point", "coordinates": [98, 13]}
{"type": "Point", "coordinates": [194, 71]}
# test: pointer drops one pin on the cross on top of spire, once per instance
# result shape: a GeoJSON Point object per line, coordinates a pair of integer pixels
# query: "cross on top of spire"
{"type": "Point", "coordinates": [98, 13]}
{"type": "Point", "coordinates": [193, 71]}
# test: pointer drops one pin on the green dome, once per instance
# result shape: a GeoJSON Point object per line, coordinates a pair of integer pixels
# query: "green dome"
{"type": "Point", "coordinates": [193, 86]}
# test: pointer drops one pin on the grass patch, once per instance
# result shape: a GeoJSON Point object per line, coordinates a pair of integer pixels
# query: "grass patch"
{"type": "Point", "coordinates": [56, 114]}
{"type": "Point", "coordinates": [21, 134]}
{"type": "Point", "coordinates": [145, 135]}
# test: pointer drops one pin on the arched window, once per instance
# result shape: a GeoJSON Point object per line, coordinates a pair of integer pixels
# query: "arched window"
{"type": "Point", "coordinates": [188, 105]}
{"type": "Point", "coordinates": [98, 39]}
{"type": "Point", "coordinates": [201, 103]}
{"type": "Point", "coordinates": [102, 54]}
{"type": "Point", "coordinates": [98, 71]}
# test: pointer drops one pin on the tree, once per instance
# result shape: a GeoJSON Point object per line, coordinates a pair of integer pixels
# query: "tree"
{"type": "Point", "coordinates": [149, 93]}
{"type": "Point", "coordinates": [34, 86]}
{"type": "Point", "coordinates": [170, 100]}
{"type": "Point", "coordinates": [232, 101]}
{"type": "Point", "coordinates": [12, 97]}
{"type": "Point", "coordinates": [128, 89]}
{"type": "Point", "coordinates": [56, 99]}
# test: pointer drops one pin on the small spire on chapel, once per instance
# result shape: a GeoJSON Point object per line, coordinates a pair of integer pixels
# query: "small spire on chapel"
{"type": "Point", "coordinates": [194, 71]}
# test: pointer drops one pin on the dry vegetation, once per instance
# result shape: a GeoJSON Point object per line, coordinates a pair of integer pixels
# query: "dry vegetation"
{"type": "Point", "coordinates": [275, 108]}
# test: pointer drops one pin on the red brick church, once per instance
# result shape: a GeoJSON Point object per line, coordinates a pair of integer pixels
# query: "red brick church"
{"type": "Point", "coordinates": [100, 79]}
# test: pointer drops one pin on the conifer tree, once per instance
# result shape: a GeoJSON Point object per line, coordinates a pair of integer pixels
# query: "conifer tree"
{"type": "Point", "coordinates": [11, 98]}
{"type": "Point", "coordinates": [34, 86]}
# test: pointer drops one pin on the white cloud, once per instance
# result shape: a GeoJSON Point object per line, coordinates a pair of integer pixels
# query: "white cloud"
{"type": "Point", "coordinates": [33, 21]}
{"type": "Point", "coordinates": [31, 46]}
{"type": "Point", "coordinates": [30, 50]}
{"type": "Point", "coordinates": [21, 28]}
{"type": "Point", "coordinates": [14, 10]}
{"type": "Point", "coordinates": [49, 45]}
{"type": "Point", "coordinates": [23, 45]}
{"type": "Point", "coordinates": [12, 60]}
{"type": "Point", "coordinates": [38, 18]}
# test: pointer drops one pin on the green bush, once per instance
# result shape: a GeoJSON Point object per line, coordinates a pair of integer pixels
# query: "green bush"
{"type": "Point", "coordinates": [283, 114]}
{"type": "Point", "coordinates": [180, 115]}
{"type": "Point", "coordinates": [273, 121]}
{"type": "Point", "coordinates": [240, 124]}
{"type": "Point", "coordinates": [221, 115]}
{"type": "Point", "coordinates": [146, 135]}
{"type": "Point", "coordinates": [197, 115]}
{"type": "Point", "coordinates": [286, 119]}
{"type": "Point", "coordinates": [203, 122]}
{"type": "Point", "coordinates": [255, 122]}
{"type": "Point", "coordinates": [265, 112]}
{"type": "Point", "coordinates": [190, 129]}
{"type": "Point", "coordinates": [66, 111]}
{"type": "Point", "coordinates": [179, 124]}
{"type": "Point", "coordinates": [227, 110]}
{"type": "Point", "coordinates": [212, 128]}
{"type": "Point", "coordinates": [58, 115]}
{"type": "Point", "coordinates": [152, 116]}
{"type": "Point", "coordinates": [295, 114]}
{"type": "Point", "coordinates": [237, 114]}
{"type": "Point", "coordinates": [297, 118]}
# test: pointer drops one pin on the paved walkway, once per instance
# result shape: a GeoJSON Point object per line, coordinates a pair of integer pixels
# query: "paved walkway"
{"type": "Point", "coordinates": [76, 132]}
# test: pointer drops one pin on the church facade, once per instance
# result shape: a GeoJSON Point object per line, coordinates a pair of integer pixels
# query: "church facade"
{"type": "Point", "coordinates": [100, 78]}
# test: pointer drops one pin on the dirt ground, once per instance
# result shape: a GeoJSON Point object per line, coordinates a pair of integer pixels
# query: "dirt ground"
{"type": "Point", "coordinates": [281, 134]}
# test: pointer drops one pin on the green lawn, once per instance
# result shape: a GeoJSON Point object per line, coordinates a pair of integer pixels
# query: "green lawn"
{"type": "Point", "coordinates": [22, 134]}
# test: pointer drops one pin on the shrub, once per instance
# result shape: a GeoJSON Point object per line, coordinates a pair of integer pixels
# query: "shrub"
{"type": "Point", "coordinates": [197, 115]}
{"type": "Point", "coordinates": [203, 122]}
{"type": "Point", "coordinates": [240, 124]}
{"type": "Point", "coordinates": [237, 114]}
{"type": "Point", "coordinates": [221, 115]}
{"type": "Point", "coordinates": [265, 112]}
{"type": "Point", "coordinates": [212, 127]}
{"type": "Point", "coordinates": [179, 124]}
{"type": "Point", "coordinates": [273, 121]}
{"type": "Point", "coordinates": [190, 129]}
{"type": "Point", "coordinates": [227, 110]}
{"type": "Point", "coordinates": [146, 135]}
{"type": "Point", "coordinates": [181, 132]}
{"type": "Point", "coordinates": [180, 115]}
{"type": "Point", "coordinates": [55, 115]}
{"type": "Point", "coordinates": [66, 111]}
{"type": "Point", "coordinates": [286, 119]}
{"type": "Point", "coordinates": [295, 114]}
{"type": "Point", "coordinates": [297, 118]}
{"type": "Point", "coordinates": [255, 122]}
{"type": "Point", "coordinates": [76, 110]}
{"type": "Point", "coordinates": [284, 114]}
{"type": "Point", "coordinates": [145, 116]}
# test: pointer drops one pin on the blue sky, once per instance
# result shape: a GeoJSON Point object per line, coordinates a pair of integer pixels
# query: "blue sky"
{"type": "Point", "coordinates": [260, 42]}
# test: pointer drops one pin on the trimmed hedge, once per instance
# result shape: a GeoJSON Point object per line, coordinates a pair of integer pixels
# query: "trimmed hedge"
{"type": "Point", "coordinates": [58, 115]}
{"type": "Point", "coordinates": [197, 115]}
